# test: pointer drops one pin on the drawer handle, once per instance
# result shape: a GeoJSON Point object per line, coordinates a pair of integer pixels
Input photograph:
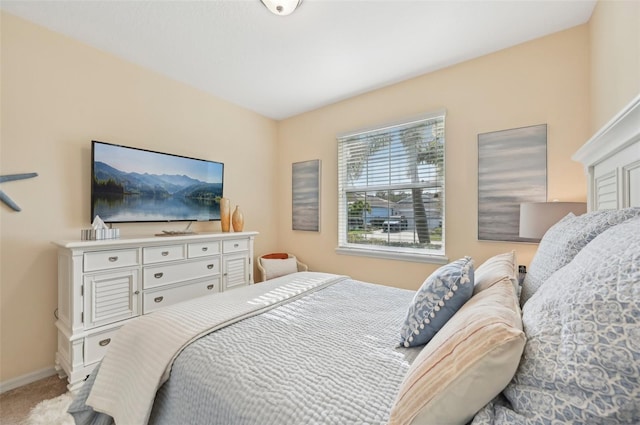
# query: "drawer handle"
{"type": "Point", "coordinates": [113, 259]}
{"type": "Point", "coordinates": [235, 245]}
{"type": "Point", "coordinates": [136, 293]}
{"type": "Point", "coordinates": [165, 253]}
{"type": "Point", "coordinates": [158, 299]}
{"type": "Point", "coordinates": [204, 248]}
{"type": "Point", "coordinates": [158, 275]}
{"type": "Point", "coordinates": [209, 266]}
{"type": "Point", "coordinates": [104, 342]}
{"type": "Point", "coordinates": [210, 287]}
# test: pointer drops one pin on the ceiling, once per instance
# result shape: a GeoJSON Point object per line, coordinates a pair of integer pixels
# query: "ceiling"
{"type": "Point", "coordinates": [326, 51]}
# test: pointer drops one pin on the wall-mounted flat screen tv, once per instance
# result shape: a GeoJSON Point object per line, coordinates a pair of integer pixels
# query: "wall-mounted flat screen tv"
{"type": "Point", "coordinates": [138, 185]}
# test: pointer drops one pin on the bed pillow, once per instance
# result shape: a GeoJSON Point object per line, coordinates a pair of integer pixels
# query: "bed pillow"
{"type": "Point", "coordinates": [439, 297]}
{"type": "Point", "coordinates": [466, 364]}
{"type": "Point", "coordinates": [494, 270]}
{"type": "Point", "coordinates": [275, 268]}
{"type": "Point", "coordinates": [581, 362]}
{"type": "Point", "coordinates": [564, 240]}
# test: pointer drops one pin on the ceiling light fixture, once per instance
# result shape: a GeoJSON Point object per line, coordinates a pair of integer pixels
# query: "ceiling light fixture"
{"type": "Point", "coordinates": [281, 7]}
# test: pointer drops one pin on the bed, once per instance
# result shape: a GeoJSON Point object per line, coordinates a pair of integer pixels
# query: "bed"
{"type": "Point", "coordinates": [472, 345]}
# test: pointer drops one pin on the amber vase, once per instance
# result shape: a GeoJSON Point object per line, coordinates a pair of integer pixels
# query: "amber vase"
{"type": "Point", "coordinates": [237, 219]}
{"type": "Point", "coordinates": [225, 214]}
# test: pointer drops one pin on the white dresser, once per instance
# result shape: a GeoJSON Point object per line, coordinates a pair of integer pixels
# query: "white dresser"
{"type": "Point", "coordinates": [103, 284]}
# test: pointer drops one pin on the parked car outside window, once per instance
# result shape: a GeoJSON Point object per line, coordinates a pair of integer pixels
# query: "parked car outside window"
{"type": "Point", "coordinates": [395, 224]}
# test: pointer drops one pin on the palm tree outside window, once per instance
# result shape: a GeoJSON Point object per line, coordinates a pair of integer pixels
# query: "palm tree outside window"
{"type": "Point", "coordinates": [391, 190]}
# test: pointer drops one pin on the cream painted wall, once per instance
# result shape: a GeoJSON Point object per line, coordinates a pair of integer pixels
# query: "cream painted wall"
{"type": "Point", "coordinates": [614, 30]}
{"type": "Point", "coordinates": [542, 81]}
{"type": "Point", "coordinates": [57, 95]}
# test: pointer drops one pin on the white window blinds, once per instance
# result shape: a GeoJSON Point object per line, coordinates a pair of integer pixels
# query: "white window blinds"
{"type": "Point", "coordinates": [391, 187]}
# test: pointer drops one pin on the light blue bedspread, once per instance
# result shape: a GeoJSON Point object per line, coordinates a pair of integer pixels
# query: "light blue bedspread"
{"type": "Point", "coordinates": [328, 358]}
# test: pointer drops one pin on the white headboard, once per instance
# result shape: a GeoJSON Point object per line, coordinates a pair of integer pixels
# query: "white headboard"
{"type": "Point", "coordinates": [612, 161]}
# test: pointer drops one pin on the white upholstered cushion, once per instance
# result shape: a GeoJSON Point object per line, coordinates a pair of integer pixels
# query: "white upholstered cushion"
{"type": "Point", "coordinates": [278, 267]}
{"type": "Point", "coordinates": [466, 364]}
{"type": "Point", "coordinates": [495, 269]}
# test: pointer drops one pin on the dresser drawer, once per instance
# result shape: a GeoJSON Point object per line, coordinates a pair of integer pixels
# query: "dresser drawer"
{"type": "Point", "coordinates": [103, 260]}
{"type": "Point", "coordinates": [159, 254]}
{"type": "Point", "coordinates": [172, 273]}
{"type": "Point", "coordinates": [235, 245]}
{"type": "Point", "coordinates": [96, 345]}
{"type": "Point", "coordinates": [154, 300]}
{"type": "Point", "coordinates": [203, 249]}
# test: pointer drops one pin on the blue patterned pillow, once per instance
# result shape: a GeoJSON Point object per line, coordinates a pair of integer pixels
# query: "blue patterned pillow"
{"type": "Point", "coordinates": [437, 300]}
{"type": "Point", "coordinates": [581, 362]}
{"type": "Point", "coordinates": [564, 240]}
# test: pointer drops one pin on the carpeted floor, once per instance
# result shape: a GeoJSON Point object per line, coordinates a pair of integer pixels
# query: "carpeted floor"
{"type": "Point", "coordinates": [16, 404]}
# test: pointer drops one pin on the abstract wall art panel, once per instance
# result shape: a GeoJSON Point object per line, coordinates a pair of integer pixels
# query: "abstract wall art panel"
{"type": "Point", "coordinates": [306, 195]}
{"type": "Point", "coordinates": [512, 169]}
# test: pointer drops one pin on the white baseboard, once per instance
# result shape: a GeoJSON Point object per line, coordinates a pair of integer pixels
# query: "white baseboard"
{"type": "Point", "coordinates": [19, 381]}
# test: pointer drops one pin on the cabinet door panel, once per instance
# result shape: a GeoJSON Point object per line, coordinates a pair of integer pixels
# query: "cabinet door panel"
{"type": "Point", "coordinates": [236, 271]}
{"type": "Point", "coordinates": [110, 297]}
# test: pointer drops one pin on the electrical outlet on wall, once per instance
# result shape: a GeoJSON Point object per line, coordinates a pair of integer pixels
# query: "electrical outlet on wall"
{"type": "Point", "coordinates": [522, 271]}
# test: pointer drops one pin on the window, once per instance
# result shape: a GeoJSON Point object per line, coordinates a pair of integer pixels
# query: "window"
{"type": "Point", "coordinates": [391, 190]}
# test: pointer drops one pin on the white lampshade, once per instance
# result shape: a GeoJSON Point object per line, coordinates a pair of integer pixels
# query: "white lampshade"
{"type": "Point", "coordinates": [537, 217]}
{"type": "Point", "coordinates": [281, 7]}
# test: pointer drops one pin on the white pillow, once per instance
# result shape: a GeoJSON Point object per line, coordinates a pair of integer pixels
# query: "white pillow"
{"type": "Point", "coordinates": [276, 267]}
{"type": "Point", "coordinates": [495, 269]}
{"type": "Point", "coordinates": [466, 364]}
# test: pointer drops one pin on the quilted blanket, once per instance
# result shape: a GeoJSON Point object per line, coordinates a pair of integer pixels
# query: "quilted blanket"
{"type": "Point", "coordinates": [140, 359]}
{"type": "Point", "coordinates": [328, 356]}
